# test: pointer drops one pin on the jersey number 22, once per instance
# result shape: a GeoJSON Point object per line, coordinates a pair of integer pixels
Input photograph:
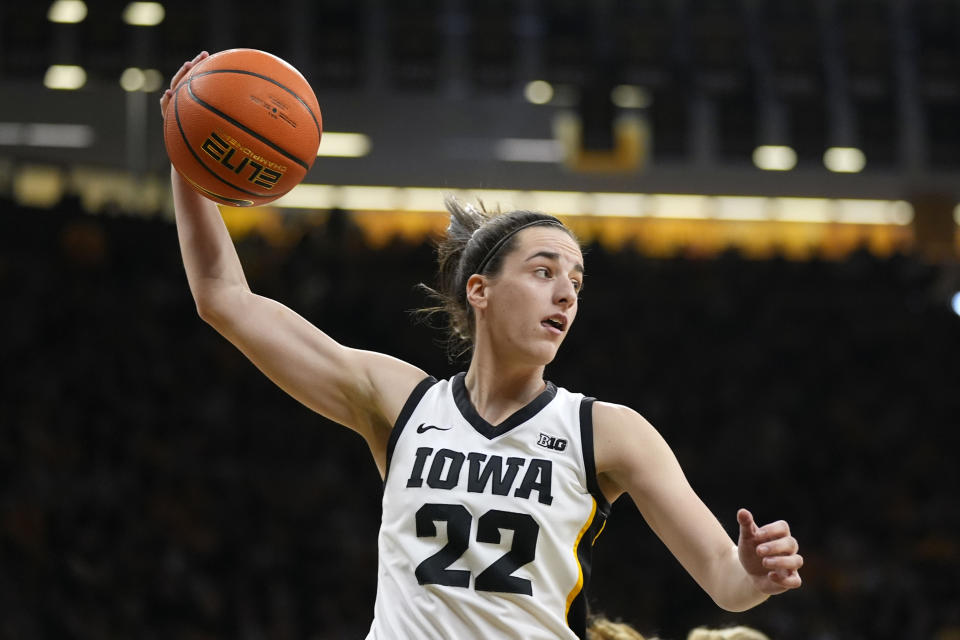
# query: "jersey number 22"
{"type": "Point", "coordinates": [496, 577]}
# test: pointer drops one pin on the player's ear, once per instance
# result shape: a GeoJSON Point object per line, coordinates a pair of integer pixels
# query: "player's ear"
{"type": "Point", "coordinates": [477, 291]}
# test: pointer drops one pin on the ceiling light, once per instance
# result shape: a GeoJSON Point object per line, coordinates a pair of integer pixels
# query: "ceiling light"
{"type": "Point", "coordinates": [844, 160]}
{"type": "Point", "coordinates": [64, 76]}
{"type": "Point", "coordinates": [901, 213]}
{"type": "Point", "coordinates": [344, 145]}
{"type": "Point", "coordinates": [803, 209]}
{"type": "Point", "coordinates": [743, 208]}
{"type": "Point", "coordinates": [538, 92]}
{"type": "Point", "coordinates": [619, 204]}
{"type": "Point", "coordinates": [771, 157]}
{"type": "Point", "coordinates": [75, 136]}
{"type": "Point", "coordinates": [131, 79]}
{"type": "Point", "coordinates": [860, 211]}
{"type": "Point", "coordinates": [629, 96]}
{"type": "Point", "coordinates": [152, 80]}
{"type": "Point", "coordinates": [67, 11]}
{"type": "Point", "coordinates": [40, 134]}
{"type": "Point", "coordinates": [143, 14]}
{"type": "Point", "coordinates": [681, 206]}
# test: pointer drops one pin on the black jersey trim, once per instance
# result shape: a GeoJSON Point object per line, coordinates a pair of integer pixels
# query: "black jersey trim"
{"type": "Point", "coordinates": [577, 614]}
{"type": "Point", "coordinates": [412, 401]}
{"type": "Point", "coordinates": [589, 461]}
{"type": "Point", "coordinates": [462, 398]}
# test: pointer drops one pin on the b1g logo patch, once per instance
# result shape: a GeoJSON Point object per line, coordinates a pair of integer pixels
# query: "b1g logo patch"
{"type": "Point", "coordinates": [258, 170]}
{"type": "Point", "coordinates": [550, 442]}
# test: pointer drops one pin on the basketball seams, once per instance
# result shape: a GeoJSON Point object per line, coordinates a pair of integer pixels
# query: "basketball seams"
{"type": "Point", "coordinates": [243, 127]}
{"type": "Point", "coordinates": [293, 93]}
{"type": "Point", "coordinates": [189, 147]}
{"type": "Point", "coordinates": [217, 106]}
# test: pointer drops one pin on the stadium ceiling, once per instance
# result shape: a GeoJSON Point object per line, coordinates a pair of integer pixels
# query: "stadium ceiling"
{"type": "Point", "coordinates": [840, 99]}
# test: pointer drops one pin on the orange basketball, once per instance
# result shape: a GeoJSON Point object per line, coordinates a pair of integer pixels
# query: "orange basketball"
{"type": "Point", "coordinates": [243, 127]}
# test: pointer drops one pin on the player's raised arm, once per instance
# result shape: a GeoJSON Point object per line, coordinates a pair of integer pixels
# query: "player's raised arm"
{"type": "Point", "coordinates": [362, 390]}
{"type": "Point", "coordinates": [632, 457]}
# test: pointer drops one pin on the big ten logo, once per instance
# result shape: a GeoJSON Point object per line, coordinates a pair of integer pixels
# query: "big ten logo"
{"type": "Point", "coordinates": [550, 442]}
{"type": "Point", "coordinates": [261, 171]}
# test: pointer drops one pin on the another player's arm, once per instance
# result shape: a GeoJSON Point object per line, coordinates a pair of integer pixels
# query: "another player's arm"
{"type": "Point", "coordinates": [632, 457]}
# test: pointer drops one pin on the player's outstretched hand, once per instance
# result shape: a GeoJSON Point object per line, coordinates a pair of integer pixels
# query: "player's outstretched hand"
{"type": "Point", "coordinates": [177, 77]}
{"type": "Point", "coordinates": [769, 554]}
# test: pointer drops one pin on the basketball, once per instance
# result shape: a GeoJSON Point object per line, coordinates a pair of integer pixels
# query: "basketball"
{"type": "Point", "coordinates": [243, 127]}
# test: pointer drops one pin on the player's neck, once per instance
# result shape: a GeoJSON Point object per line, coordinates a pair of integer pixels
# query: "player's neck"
{"type": "Point", "coordinates": [497, 393]}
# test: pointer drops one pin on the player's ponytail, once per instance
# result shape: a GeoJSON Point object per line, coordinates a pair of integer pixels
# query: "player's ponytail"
{"type": "Point", "coordinates": [476, 241]}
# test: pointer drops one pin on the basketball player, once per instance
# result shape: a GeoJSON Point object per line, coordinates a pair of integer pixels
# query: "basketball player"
{"type": "Point", "coordinates": [496, 482]}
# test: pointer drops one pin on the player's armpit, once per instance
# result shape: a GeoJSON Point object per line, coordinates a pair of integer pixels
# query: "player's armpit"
{"type": "Point", "coordinates": [362, 390]}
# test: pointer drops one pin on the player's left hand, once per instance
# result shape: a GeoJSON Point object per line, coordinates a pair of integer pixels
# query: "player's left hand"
{"type": "Point", "coordinates": [769, 554]}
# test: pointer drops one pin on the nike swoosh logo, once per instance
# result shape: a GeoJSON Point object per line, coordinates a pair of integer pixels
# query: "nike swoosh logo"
{"type": "Point", "coordinates": [426, 427]}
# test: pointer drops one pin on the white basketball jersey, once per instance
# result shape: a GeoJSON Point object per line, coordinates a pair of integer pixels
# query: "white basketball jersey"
{"type": "Point", "coordinates": [487, 531]}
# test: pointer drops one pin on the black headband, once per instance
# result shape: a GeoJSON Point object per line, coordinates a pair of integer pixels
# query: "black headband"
{"type": "Point", "coordinates": [495, 248]}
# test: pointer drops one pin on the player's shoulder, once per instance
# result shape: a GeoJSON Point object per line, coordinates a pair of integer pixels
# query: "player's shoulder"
{"type": "Point", "coordinates": [604, 415]}
{"type": "Point", "coordinates": [619, 424]}
{"type": "Point", "coordinates": [624, 439]}
{"type": "Point", "coordinates": [617, 415]}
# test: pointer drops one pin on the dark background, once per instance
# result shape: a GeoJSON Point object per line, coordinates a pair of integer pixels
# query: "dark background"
{"type": "Point", "coordinates": [153, 484]}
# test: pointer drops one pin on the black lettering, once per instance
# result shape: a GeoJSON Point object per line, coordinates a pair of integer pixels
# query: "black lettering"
{"type": "Point", "coordinates": [416, 476]}
{"type": "Point", "coordinates": [242, 164]}
{"type": "Point", "coordinates": [552, 442]}
{"type": "Point", "coordinates": [477, 478]}
{"type": "Point", "coordinates": [434, 569]}
{"type": "Point", "coordinates": [257, 168]}
{"type": "Point", "coordinates": [225, 161]}
{"type": "Point", "coordinates": [499, 576]}
{"type": "Point", "coordinates": [435, 479]}
{"type": "Point", "coordinates": [268, 178]}
{"type": "Point", "coordinates": [214, 146]}
{"type": "Point", "coordinates": [539, 478]}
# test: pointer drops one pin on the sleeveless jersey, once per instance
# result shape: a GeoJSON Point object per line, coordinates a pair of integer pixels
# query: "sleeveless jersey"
{"type": "Point", "coordinates": [487, 531]}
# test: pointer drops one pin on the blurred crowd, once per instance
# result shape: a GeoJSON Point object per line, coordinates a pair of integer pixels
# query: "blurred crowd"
{"type": "Point", "coordinates": [153, 484]}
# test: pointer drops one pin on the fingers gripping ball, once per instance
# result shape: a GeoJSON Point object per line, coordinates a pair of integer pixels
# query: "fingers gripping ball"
{"type": "Point", "coordinates": [243, 127]}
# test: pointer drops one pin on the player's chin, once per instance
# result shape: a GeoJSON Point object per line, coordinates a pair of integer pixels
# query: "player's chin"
{"type": "Point", "coordinates": [548, 350]}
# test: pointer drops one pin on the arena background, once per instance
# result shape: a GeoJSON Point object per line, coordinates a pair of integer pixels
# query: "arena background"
{"type": "Point", "coordinates": [766, 192]}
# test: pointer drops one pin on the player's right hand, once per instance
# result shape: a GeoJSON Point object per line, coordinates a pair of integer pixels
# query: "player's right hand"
{"type": "Point", "coordinates": [177, 77]}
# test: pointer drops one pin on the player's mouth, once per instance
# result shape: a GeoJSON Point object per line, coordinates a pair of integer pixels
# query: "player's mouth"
{"type": "Point", "coordinates": [555, 324]}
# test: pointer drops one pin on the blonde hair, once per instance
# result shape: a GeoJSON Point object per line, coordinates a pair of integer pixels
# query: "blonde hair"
{"type": "Point", "coordinates": [603, 629]}
{"type": "Point", "coordinates": [730, 633]}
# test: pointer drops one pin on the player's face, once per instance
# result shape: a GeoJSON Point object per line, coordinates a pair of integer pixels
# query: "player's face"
{"type": "Point", "coordinates": [533, 300]}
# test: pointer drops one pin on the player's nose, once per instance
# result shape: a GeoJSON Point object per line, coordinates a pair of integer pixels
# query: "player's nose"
{"type": "Point", "coordinates": [564, 293]}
